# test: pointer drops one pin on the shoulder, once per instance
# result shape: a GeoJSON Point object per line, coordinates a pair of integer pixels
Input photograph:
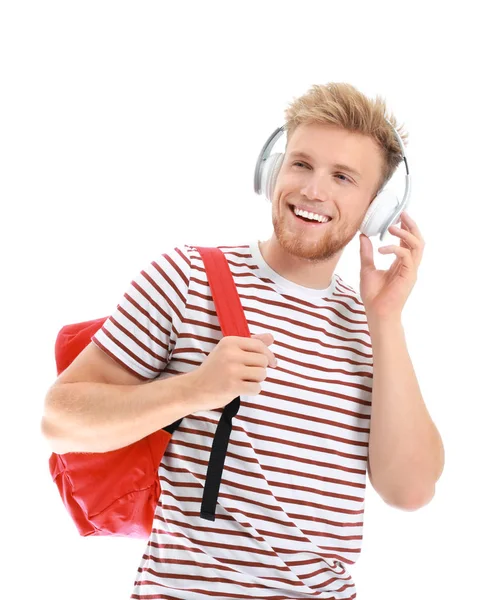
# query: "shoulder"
{"type": "Point", "coordinates": [239, 255]}
{"type": "Point", "coordinates": [176, 263]}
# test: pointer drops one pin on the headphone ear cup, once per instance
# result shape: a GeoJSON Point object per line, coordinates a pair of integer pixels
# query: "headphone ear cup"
{"type": "Point", "coordinates": [269, 174]}
{"type": "Point", "coordinates": [379, 212]}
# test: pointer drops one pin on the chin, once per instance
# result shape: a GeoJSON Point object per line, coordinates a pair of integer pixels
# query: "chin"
{"type": "Point", "coordinates": [319, 250]}
{"type": "Point", "coordinates": [309, 252]}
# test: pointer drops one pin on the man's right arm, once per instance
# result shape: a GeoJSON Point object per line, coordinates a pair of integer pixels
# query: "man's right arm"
{"type": "Point", "coordinates": [96, 405]}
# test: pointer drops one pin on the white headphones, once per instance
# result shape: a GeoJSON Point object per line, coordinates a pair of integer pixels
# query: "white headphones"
{"type": "Point", "coordinates": [383, 211]}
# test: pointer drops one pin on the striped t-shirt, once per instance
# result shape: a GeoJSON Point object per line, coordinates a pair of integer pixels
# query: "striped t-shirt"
{"type": "Point", "coordinates": [290, 508]}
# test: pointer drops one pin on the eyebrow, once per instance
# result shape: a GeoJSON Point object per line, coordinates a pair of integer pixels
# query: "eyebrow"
{"type": "Point", "coordinates": [339, 166]}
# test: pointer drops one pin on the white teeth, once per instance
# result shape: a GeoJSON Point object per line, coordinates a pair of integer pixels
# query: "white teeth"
{"type": "Point", "coordinates": [311, 216]}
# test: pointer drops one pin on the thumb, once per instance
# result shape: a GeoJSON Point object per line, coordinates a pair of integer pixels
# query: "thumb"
{"type": "Point", "coordinates": [266, 338]}
{"type": "Point", "coordinates": [366, 253]}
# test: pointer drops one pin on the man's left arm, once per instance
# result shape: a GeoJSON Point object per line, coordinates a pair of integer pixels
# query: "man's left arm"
{"type": "Point", "coordinates": [406, 454]}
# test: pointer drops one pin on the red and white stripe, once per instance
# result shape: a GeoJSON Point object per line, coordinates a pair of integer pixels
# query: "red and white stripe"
{"type": "Point", "coordinates": [290, 510]}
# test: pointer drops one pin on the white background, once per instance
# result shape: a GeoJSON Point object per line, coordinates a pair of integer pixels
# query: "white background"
{"type": "Point", "coordinates": [127, 128]}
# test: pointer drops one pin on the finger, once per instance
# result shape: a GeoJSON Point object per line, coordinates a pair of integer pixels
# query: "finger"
{"type": "Point", "coordinates": [265, 338]}
{"type": "Point", "coordinates": [256, 344]}
{"type": "Point", "coordinates": [250, 389]}
{"type": "Point", "coordinates": [409, 240]}
{"type": "Point", "coordinates": [366, 253]}
{"type": "Point", "coordinates": [403, 253]}
{"type": "Point", "coordinates": [411, 225]}
{"type": "Point", "coordinates": [254, 374]}
{"type": "Point", "coordinates": [254, 359]}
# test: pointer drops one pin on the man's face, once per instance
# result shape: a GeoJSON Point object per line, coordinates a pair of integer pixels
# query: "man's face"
{"type": "Point", "coordinates": [332, 173]}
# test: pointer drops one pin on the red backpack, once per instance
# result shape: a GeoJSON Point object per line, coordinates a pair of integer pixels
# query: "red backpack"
{"type": "Point", "coordinates": [116, 493]}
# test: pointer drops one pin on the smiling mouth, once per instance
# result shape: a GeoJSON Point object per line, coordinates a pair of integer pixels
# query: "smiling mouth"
{"type": "Point", "coordinates": [312, 218]}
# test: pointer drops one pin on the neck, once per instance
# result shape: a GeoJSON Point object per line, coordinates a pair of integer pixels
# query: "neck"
{"type": "Point", "coordinates": [310, 274]}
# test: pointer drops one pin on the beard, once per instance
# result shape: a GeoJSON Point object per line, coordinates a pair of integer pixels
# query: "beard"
{"type": "Point", "coordinates": [321, 249]}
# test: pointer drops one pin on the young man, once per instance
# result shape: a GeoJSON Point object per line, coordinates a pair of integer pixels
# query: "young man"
{"type": "Point", "coordinates": [328, 391]}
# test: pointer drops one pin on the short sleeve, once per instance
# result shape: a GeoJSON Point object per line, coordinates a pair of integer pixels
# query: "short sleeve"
{"type": "Point", "coordinates": [141, 333]}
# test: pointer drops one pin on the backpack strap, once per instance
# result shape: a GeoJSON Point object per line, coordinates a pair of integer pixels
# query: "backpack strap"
{"type": "Point", "coordinates": [232, 322]}
{"type": "Point", "coordinates": [224, 293]}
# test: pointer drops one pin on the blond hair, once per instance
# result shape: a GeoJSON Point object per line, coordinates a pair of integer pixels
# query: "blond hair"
{"type": "Point", "coordinates": [343, 105]}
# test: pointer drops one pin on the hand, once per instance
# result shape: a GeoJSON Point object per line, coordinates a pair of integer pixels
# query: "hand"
{"type": "Point", "coordinates": [384, 293]}
{"type": "Point", "coordinates": [235, 367]}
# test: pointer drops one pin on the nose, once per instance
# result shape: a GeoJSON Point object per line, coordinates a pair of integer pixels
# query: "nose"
{"type": "Point", "coordinates": [315, 187]}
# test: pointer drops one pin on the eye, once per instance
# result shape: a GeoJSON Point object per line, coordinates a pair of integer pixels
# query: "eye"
{"type": "Point", "coordinates": [345, 178]}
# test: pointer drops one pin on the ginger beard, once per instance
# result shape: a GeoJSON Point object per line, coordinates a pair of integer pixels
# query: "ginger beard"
{"type": "Point", "coordinates": [313, 245]}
